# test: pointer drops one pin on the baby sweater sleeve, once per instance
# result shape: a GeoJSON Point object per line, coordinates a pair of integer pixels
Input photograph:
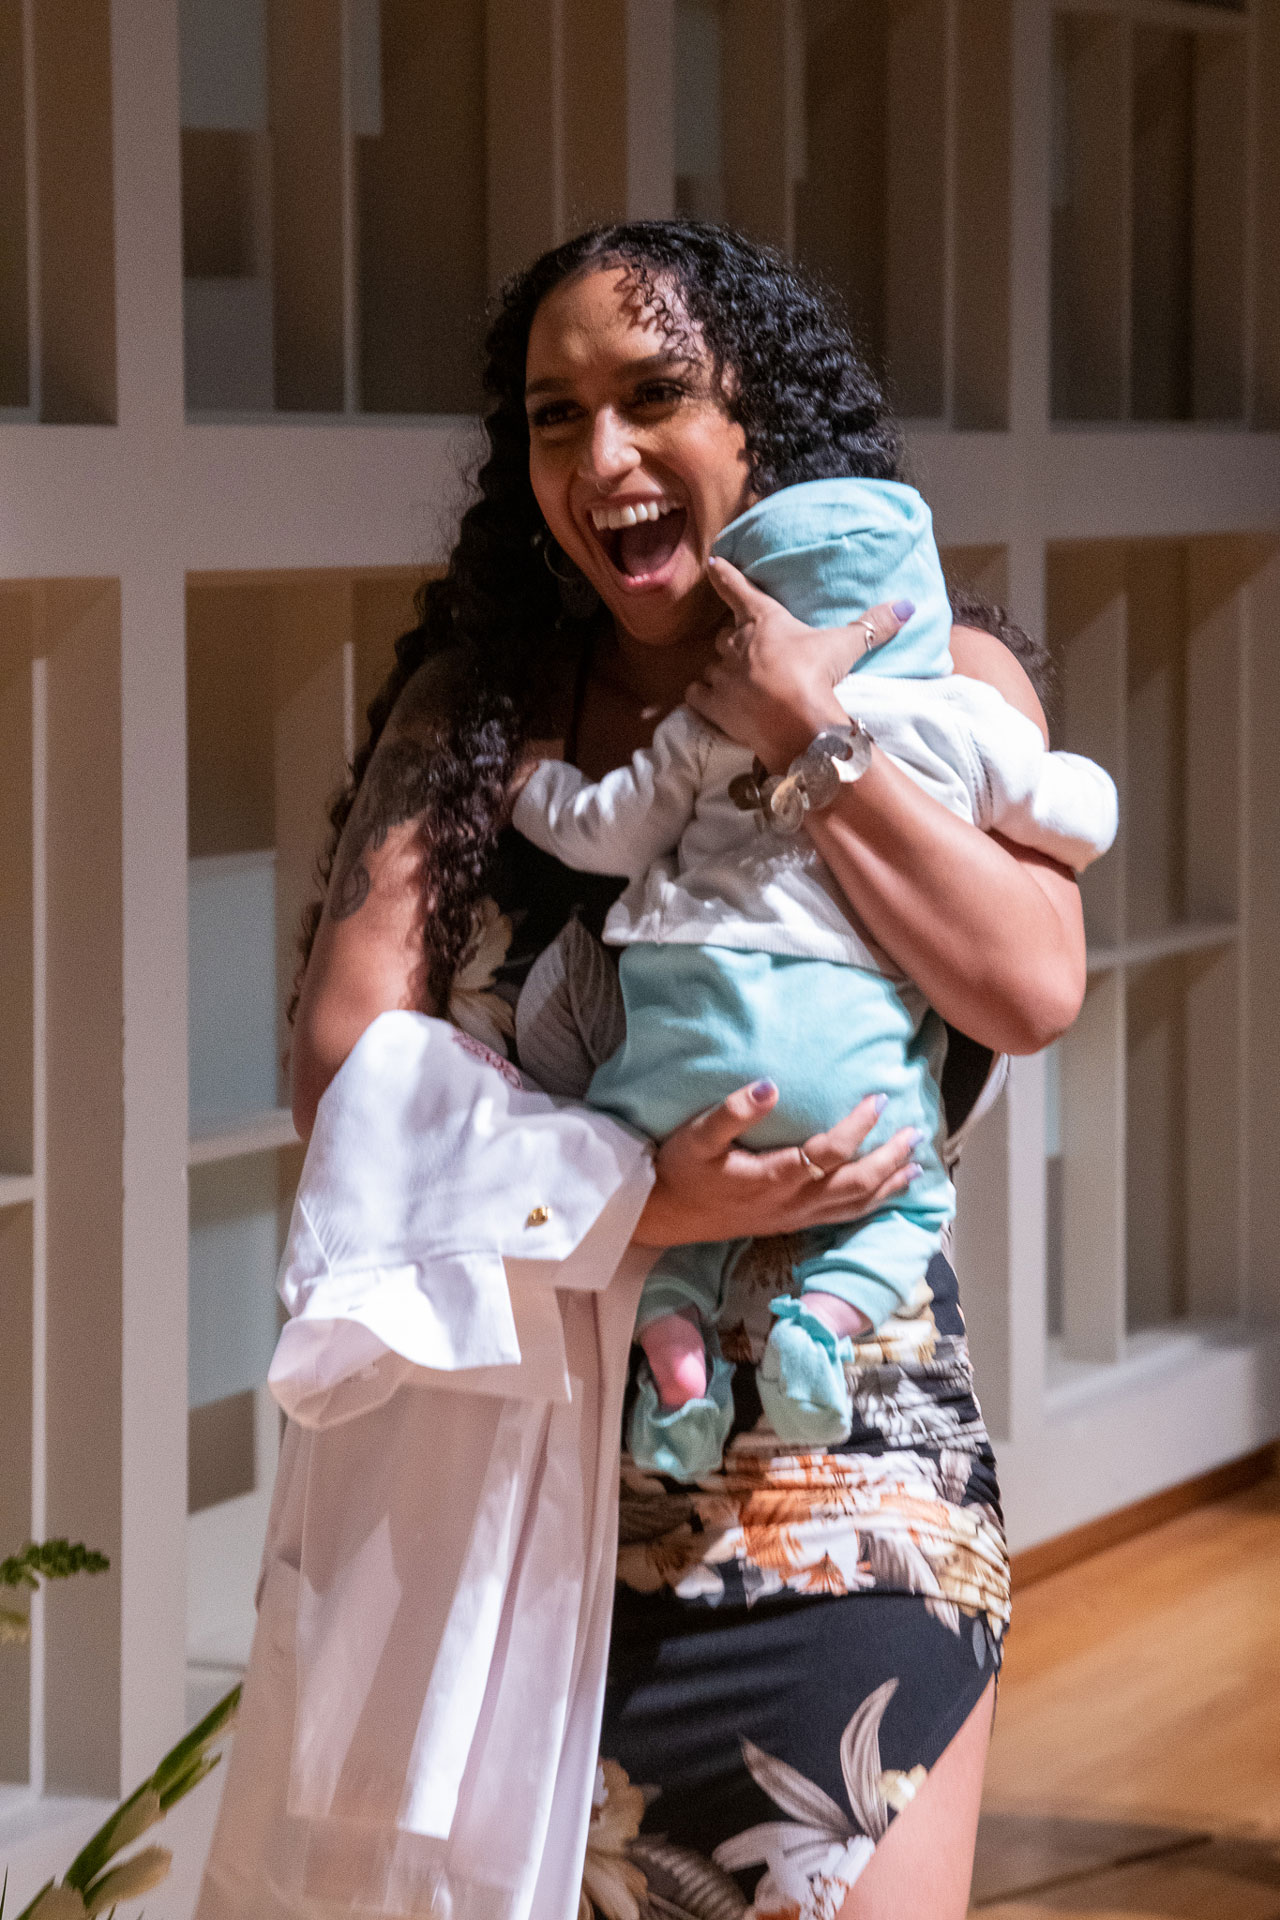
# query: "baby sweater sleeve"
{"type": "Point", "coordinates": [1060, 804]}
{"type": "Point", "coordinates": [626, 821]}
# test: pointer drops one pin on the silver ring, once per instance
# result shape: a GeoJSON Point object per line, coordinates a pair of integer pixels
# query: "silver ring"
{"type": "Point", "coordinates": [869, 635]}
{"type": "Point", "coordinates": [814, 1172]}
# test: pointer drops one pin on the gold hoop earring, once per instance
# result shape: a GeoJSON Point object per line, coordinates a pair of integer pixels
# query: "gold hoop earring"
{"type": "Point", "coordinates": [578, 597]}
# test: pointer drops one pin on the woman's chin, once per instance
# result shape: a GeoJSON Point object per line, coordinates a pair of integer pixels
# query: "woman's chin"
{"type": "Point", "coordinates": [658, 607]}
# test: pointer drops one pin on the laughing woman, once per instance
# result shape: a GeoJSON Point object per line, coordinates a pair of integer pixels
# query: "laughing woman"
{"type": "Point", "coordinates": [804, 1646]}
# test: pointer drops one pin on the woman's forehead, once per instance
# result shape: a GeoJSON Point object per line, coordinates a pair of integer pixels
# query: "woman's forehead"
{"type": "Point", "coordinates": [602, 319]}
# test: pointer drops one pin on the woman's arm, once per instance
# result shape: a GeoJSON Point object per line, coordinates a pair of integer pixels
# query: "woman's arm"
{"type": "Point", "coordinates": [367, 960]}
{"type": "Point", "coordinates": [368, 956]}
{"type": "Point", "coordinates": [992, 933]}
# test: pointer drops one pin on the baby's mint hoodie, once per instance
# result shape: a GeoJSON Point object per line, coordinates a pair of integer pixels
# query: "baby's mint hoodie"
{"type": "Point", "coordinates": [827, 549]}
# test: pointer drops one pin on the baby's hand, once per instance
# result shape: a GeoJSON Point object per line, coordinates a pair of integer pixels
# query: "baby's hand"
{"type": "Point", "coordinates": [534, 751]}
{"type": "Point", "coordinates": [677, 1355]}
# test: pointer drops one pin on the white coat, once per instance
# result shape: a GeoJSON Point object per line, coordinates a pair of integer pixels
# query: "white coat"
{"type": "Point", "coordinates": [422, 1706]}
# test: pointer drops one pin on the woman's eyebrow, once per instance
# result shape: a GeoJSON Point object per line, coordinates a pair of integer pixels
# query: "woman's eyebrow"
{"type": "Point", "coordinates": [635, 369]}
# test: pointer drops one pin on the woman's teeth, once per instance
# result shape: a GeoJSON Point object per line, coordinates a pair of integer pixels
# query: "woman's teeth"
{"type": "Point", "coordinates": [611, 519]}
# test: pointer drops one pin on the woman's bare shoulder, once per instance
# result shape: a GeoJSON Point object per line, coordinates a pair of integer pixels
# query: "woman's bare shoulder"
{"type": "Point", "coordinates": [426, 700]}
{"type": "Point", "coordinates": [980, 656]}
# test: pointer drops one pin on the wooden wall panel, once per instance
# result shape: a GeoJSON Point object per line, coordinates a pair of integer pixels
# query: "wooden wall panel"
{"type": "Point", "coordinates": [421, 214]}
{"type": "Point", "coordinates": [1219, 237]}
{"type": "Point", "coordinates": [311, 701]}
{"type": "Point", "coordinates": [1261, 923]}
{"type": "Point", "coordinates": [16, 1260]}
{"type": "Point", "coordinates": [840, 202]}
{"type": "Point", "coordinates": [1264, 256]}
{"type": "Point", "coordinates": [981, 100]}
{"type": "Point", "coordinates": [230, 674]}
{"type": "Point", "coordinates": [915, 213]}
{"type": "Point", "coordinates": [81, 641]}
{"type": "Point", "coordinates": [17, 978]}
{"type": "Point", "coordinates": [1156, 708]}
{"type": "Point", "coordinates": [762, 128]}
{"type": "Point", "coordinates": [1163, 162]}
{"type": "Point", "coordinates": [1091, 219]}
{"type": "Point", "coordinates": [14, 346]}
{"type": "Point", "coordinates": [1093, 1175]}
{"type": "Point", "coordinates": [76, 227]}
{"type": "Point", "coordinates": [524, 209]}
{"type": "Point", "coordinates": [308, 121]}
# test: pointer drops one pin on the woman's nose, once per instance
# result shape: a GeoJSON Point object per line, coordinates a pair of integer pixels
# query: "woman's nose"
{"type": "Point", "coordinates": [609, 451]}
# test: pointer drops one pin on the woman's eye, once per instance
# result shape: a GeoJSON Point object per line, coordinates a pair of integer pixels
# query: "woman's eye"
{"type": "Point", "coordinates": [555, 413]}
{"type": "Point", "coordinates": [659, 393]}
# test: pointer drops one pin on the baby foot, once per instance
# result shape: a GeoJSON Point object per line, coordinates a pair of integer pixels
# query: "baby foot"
{"type": "Point", "coordinates": [677, 1355]}
{"type": "Point", "coordinates": [801, 1376]}
{"type": "Point", "coordinates": [684, 1440]}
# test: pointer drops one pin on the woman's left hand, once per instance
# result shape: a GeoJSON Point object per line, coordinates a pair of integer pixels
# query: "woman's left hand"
{"type": "Point", "coordinates": [772, 687]}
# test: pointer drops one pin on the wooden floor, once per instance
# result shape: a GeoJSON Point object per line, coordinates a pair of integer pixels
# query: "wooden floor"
{"type": "Point", "coordinates": [1135, 1768]}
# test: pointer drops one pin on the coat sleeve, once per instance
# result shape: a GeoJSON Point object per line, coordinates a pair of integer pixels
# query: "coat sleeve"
{"type": "Point", "coordinates": [626, 821]}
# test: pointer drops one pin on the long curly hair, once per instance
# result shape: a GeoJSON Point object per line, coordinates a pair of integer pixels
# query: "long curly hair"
{"type": "Point", "coordinates": [809, 408]}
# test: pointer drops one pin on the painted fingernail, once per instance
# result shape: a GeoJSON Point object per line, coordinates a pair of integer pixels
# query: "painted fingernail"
{"type": "Point", "coordinates": [879, 1101]}
{"type": "Point", "coordinates": [916, 1135]}
{"type": "Point", "coordinates": [763, 1090]}
{"type": "Point", "coordinates": [913, 1170]}
{"type": "Point", "coordinates": [903, 609]}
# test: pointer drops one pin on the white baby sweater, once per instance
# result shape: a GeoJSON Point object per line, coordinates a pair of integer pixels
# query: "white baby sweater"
{"type": "Point", "coordinates": [703, 872]}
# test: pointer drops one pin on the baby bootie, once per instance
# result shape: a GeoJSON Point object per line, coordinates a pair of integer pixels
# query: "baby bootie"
{"type": "Point", "coordinates": [683, 1442]}
{"type": "Point", "coordinates": [801, 1378]}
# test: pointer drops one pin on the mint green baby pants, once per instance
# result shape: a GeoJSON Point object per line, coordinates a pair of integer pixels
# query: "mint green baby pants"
{"type": "Point", "coordinates": [704, 1020]}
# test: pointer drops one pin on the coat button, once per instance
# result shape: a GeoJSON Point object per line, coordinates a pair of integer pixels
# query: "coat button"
{"type": "Point", "coordinates": [538, 1216]}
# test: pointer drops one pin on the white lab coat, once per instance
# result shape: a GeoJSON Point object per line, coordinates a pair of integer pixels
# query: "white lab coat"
{"type": "Point", "coordinates": [423, 1701]}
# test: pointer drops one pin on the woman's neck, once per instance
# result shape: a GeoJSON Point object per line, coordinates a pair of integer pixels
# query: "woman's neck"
{"type": "Point", "coordinates": [655, 677]}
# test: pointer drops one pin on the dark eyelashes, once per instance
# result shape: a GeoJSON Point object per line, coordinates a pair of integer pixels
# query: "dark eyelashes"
{"type": "Point", "coordinates": [552, 416]}
{"type": "Point", "coordinates": [559, 413]}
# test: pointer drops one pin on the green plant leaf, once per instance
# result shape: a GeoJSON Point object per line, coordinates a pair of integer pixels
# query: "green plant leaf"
{"type": "Point", "coordinates": [50, 1560]}
{"type": "Point", "coordinates": [179, 1760]}
{"type": "Point", "coordinates": [15, 1628]}
{"type": "Point", "coordinates": [205, 1763]}
{"type": "Point", "coordinates": [134, 1876]}
{"type": "Point", "coordinates": [99, 1847]}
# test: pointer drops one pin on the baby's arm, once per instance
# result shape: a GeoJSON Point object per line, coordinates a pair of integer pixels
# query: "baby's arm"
{"type": "Point", "coordinates": [982, 758]}
{"type": "Point", "coordinates": [626, 821]}
{"type": "Point", "coordinates": [1059, 804]}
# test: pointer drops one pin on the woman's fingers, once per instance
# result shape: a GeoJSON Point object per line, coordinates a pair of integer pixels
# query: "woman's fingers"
{"type": "Point", "coordinates": [744, 600]}
{"type": "Point", "coordinates": [716, 1130]}
{"type": "Point", "coordinates": [867, 1181]}
{"type": "Point", "coordinates": [840, 1143]}
{"type": "Point", "coordinates": [872, 630]}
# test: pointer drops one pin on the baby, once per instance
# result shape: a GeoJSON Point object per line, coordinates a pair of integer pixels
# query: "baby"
{"type": "Point", "coordinates": [741, 958]}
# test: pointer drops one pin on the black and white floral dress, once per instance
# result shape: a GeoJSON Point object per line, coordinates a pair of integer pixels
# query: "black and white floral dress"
{"type": "Point", "coordinates": [798, 1636]}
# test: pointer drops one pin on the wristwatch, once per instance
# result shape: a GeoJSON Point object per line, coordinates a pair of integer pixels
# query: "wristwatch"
{"type": "Point", "coordinates": [833, 759]}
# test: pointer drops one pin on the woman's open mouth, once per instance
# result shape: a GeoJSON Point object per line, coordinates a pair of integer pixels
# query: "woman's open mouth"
{"type": "Point", "coordinates": [639, 538]}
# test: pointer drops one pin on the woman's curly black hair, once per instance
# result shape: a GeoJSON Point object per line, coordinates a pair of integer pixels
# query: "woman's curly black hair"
{"type": "Point", "coordinates": [809, 408]}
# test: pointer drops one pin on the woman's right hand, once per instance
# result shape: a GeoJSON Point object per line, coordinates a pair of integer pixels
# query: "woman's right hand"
{"type": "Point", "coordinates": [710, 1188]}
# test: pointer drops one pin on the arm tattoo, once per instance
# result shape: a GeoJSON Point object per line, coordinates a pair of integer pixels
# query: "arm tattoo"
{"type": "Point", "coordinates": [396, 788]}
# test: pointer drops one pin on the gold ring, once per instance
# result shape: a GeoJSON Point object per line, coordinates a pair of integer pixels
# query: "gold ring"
{"type": "Point", "coordinates": [814, 1172]}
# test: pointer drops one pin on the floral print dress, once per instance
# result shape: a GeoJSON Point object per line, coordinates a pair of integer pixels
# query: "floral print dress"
{"type": "Point", "coordinates": [798, 1636]}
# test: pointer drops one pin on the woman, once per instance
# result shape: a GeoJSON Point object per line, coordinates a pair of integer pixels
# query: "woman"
{"type": "Point", "coordinates": [804, 1649]}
